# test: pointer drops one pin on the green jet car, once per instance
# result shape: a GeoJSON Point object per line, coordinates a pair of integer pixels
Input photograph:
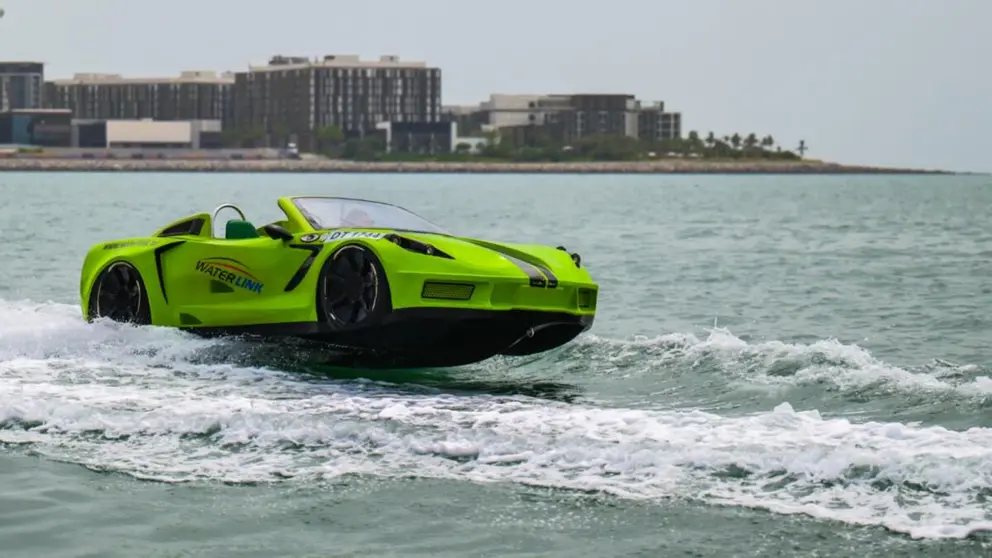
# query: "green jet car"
{"type": "Point", "coordinates": [380, 285]}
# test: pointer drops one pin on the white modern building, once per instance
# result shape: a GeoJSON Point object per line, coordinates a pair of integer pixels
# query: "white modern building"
{"type": "Point", "coordinates": [146, 134]}
{"type": "Point", "coordinates": [572, 115]}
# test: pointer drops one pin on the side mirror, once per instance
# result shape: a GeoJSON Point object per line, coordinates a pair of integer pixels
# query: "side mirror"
{"type": "Point", "coordinates": [277, 232]}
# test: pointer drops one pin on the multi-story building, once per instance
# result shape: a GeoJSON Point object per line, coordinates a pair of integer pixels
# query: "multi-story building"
{"type": "Point", "coordinates": [193, 95]}
{"type": "Point", "coordinates": [513, 110]}
{"type": "Point", "coordinates": [598, 114]}
{"type": "Point", "coordinates": [564, 118]}
{"type": "Point", "coordinates": [671, 125]}
{"type": "Point", "coordinates": [158, 135]}
{"type": "Point", "coordinates": [294, 98]}
{"type": "Point", "coordinates": [653, 123]}
{"type": "Point", "coordinates": [505, 110]}
{"type": "Point", "coordinates": [469, 118]}
{"type": "Point", "coordinates": [21, 85]}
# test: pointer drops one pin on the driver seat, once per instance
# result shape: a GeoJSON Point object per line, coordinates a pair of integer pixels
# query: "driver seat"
{"type": "Point", "coordinates": [238, 230]}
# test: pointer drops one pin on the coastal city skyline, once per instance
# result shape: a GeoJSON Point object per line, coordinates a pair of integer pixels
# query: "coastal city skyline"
{"type": "Point", "coordinates": [302, 101]}
{"type": "Point", "coordinates": [444, 279]}
{"type": "Point", "coordinates": [838, 75]}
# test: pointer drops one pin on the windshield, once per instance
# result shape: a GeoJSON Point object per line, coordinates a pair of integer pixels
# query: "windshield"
{"type": "Point", "coordinates": [332, 213]}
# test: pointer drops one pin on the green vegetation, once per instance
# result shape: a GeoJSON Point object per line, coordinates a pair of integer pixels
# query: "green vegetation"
{"type": "Point", "coordinates": [535, 146]}
{"type": "Point", "coordinates": [625, 148]}
{"type": "Point", "coordinates": [614, 148]}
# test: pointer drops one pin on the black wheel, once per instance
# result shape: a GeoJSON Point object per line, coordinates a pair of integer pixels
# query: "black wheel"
{"type": "Point", "coordinates": [119, 294]}
{"type": "Point", "coordinates": [352, 290]}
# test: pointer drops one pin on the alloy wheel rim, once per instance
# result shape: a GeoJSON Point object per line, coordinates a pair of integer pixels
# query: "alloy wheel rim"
{"type": "Point", "coordinates": [119, 295]}
{"type": "Point", "coordinates": [351, 286]}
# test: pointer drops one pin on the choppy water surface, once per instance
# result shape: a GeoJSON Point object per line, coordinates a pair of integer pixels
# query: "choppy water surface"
{"type": "Point", "coordinates": [781, 366]}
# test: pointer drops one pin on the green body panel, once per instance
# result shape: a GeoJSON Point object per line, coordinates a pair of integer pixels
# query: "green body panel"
{"type": "Point", "coordinates": [197, 279]}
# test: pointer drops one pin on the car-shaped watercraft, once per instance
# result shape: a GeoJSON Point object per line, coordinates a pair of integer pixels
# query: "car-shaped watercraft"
{"type": "Point", "coordinates": [381, 285]}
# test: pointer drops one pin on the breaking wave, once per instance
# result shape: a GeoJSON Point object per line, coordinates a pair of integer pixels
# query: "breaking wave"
{"type": "Point", "coordinates": [162, 405]}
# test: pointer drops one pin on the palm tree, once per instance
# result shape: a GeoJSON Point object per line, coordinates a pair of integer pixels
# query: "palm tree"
{"type": "Point", "coordinates": [802, 148]}
{"type": "Point", "coordinates": [735, 140]}
{"type": "Point", "coordinates": [768, 142]}
{"type": "Point", "coordinates": [751, 141]}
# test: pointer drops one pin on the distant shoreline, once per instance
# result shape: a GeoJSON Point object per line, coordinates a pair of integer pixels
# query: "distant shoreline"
{"type": "Point", "coordinates": [667, 166]}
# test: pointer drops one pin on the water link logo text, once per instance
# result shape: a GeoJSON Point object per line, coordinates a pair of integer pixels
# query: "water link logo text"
{"type": "Point", "coordinates": [230, 271]}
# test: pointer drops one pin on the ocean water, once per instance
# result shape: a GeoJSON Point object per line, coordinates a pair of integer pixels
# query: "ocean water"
{"type": "Point", "coordinates": [781, 366]}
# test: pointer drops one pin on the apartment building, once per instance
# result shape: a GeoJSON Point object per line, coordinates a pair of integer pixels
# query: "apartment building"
{"type": "Point", "coordinates": [293, 98]}
{"type": "Point", "coordinates": [193, 95]}
{"type": "Point", "coordinates": [469, 119]}
{"type": "Point", "coordinates": [653, 123]}
{"type": "Point", "coordinates": [21, 85]}
{"type": "Point", "coordinates": [568, 117]}
{"type": "Point", "coordinates": [598, 114]}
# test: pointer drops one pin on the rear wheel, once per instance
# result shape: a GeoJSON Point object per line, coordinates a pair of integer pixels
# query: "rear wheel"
{"type": "Point", "coordinates": [119, 294]}
{"type": "Point", "coordinates": [352, 289]}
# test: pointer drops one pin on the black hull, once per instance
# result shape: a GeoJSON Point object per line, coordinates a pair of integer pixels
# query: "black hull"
{"type": "Point", "coordinates": [422, 338]}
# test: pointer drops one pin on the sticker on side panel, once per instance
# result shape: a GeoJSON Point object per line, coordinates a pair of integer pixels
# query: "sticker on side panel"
{"type": "Point", "coordinates": [128, 244]}
{"type": "Point", "coordinates": [230, 271]}
{"type": "Point", "coordinates": [311, 237]}
{"type": "Point", "coordinates": [345, 235]}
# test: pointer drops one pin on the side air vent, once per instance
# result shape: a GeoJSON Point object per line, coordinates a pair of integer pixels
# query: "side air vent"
{"type": "Point", "coordinates": [587, 299]}
{"type": "Point", "coordinates": [447, 291]}
{"type": "Point", "coordinates": [188, 319]}
{"type": "Point", "coordinates": [191, 227]}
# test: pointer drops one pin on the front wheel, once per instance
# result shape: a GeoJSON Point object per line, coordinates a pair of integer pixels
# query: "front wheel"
{"type": "Point", "coordinates": [352, 290]}
{"type": "Point", "coordinates": [119, 293]}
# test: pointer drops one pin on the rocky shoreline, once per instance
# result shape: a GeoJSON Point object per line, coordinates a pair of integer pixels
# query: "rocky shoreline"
{"type": "Point", "coordinates": [342, 166]}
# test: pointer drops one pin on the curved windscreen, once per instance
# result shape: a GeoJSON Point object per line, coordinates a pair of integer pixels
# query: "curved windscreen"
{"type": "Point", "coordinates": [333, 213]}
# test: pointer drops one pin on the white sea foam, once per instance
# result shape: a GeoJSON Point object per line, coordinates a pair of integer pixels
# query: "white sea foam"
{"type": "Point", "coordinates": [846, 366]}
{"type": "Point", "coordinates": [135, 400]}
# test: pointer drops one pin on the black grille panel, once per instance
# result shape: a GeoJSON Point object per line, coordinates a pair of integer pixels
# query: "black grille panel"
{"type": "Point", "coordinates": [447, 291]}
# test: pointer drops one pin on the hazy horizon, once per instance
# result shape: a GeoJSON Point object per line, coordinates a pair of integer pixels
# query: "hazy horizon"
{"type": "Point", "coordinates": [894, 83]}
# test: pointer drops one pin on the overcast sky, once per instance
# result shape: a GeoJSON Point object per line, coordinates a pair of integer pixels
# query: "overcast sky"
{"type": "Point", "coordinates": [889, 82]}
